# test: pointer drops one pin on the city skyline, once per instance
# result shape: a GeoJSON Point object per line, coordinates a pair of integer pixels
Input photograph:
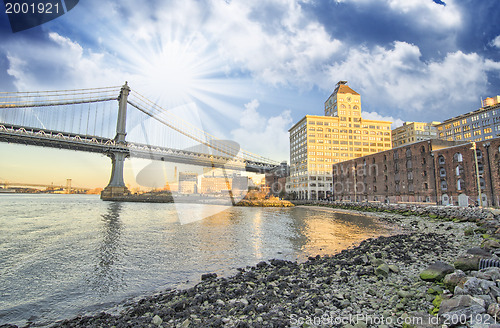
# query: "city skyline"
{"type": "Point", "coordinates": [205, 60]}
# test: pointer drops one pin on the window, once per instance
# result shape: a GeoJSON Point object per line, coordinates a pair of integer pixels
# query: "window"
{"type": "Point", "coordinates": [460, 184]}
{"type": "Point", "coordinates": [444, 185]}
{"type": "Point", "coordinates": [457, 157]}
{"type": "Point", "coordinates": [408, 152]}
{"type": "Point", "coordinates": [480, 168]}
{"type": "Point", "coordinates": [441, 159]}
{"type": "Point", "coordinates": [409, 164]}
{"type": "Point", "coordinates": [459, 170]}
{"type": "Point", "coordinates": [442, 172]}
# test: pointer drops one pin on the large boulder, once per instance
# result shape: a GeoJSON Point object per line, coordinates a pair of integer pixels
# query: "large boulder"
{"type": "Point", "coordinates": [461, 306]}
{"type": "Point", "coordinates": [436, 271]}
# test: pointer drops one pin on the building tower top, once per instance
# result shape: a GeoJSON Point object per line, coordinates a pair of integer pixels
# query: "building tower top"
{"type": "Point", "coordinates": [344, 101]}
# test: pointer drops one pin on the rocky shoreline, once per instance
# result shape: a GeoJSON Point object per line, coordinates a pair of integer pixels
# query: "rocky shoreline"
{"type": "Point", "coordinates": [376, 284]}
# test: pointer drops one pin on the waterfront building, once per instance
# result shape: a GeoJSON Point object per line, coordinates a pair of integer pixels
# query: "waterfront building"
{"type": "Point", "coordinates": [240, 185]}
{"type": "Point", "coordinates": [188, 182]}
{"type": "Point", "coordinates": [317, 142]}
{"type": "Point", "coordinates": [276, 179]}
{"type": "Point", "coordinates": [432, 171]}
{"type": "Point", "coordinates": [479, 125]}
{"type": "Point", "coordinates": [413, 132]}
{"type": "Point", "coordinates": [215, 184]}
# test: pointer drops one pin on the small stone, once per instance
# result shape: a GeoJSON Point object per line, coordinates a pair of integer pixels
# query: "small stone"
{"type": "Point", "coordinates": [157, 320]}
{"type": "Point", "coordinates": [394, 268]}
{"type": "Point", "coordinates": [185, 323]}
{"type": "Point", "coordinates": [436, 271]}
{"type": "Point", "coordinates": [220, 302]}
{"type": "Point", "coordinates": [382, 270]}
{"type": "Point", "coordinates": [377, 262]}
{"type": "Point", "coordinates": [494, 310]}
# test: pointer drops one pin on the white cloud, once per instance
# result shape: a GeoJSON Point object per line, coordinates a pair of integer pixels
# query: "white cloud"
{"type": "Point", "coordinates": [64, 63]}
{"type": "Point", "coordinates": [428, 13]}
{"type": "Point", "coordinates": [376, 116]}
{"type": "Point", "coordinates": [425, 13]}
{"type": "Point", "coordinates": [398, 78]}
{"type": "Point", "coordinates": [267, 137]}
{"type": "Point", "coordinates": [285, 47]}
{"type": "Point", "coordinates": [496, 42]}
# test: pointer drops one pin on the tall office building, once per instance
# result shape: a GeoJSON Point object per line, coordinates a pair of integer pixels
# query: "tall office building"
{"type": "Point", "coordinates": [317, 142]}
{"type": "Point", "coordinates": [412, 132]}
{"type": "Point", "coordinates": [479, 125]}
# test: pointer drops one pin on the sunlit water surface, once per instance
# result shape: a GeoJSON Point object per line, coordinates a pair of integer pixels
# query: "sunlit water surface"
{"type": "Point", "coordinates": [65, 255]}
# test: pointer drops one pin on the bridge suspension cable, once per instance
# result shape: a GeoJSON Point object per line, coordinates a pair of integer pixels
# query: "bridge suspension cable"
{"type": "Point", "coordinates": [163, 116]}
{"type": "Point", "coordinates": [56, 98]}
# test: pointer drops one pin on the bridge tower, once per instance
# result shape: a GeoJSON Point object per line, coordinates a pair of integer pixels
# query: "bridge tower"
{"type": "Point", "coordinates": [116, 186]}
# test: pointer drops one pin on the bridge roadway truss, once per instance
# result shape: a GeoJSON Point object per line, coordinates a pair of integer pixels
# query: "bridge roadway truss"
{"type": "Point", "coordinates": [93, 144]}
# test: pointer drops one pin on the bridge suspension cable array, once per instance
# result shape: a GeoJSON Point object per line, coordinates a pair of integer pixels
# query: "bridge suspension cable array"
{"type": "Point", "coordinates": [84, 111]}
{"type": "Point", "coordinates": [160, 114]}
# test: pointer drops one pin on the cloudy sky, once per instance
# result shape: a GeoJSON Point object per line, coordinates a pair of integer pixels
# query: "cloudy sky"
{"type": "Point", "coordinates": [250, 69]}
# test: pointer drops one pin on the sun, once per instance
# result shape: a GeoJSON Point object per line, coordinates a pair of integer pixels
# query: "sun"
{"type": "Point", "coordinates": [173, 72]}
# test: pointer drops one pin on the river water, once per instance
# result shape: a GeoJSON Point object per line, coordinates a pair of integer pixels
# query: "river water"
{"type": "Point", "coordinates": [65, 255]}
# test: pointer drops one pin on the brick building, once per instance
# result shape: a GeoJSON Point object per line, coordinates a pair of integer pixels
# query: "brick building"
{"type": "Point", "coordinates": [276, 179]}
{"type": "Point", "coordinates": [431, 171]}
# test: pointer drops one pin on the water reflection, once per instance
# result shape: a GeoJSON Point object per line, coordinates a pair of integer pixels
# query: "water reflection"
{"type": "Point", "coordinates": [326, 232]}
{"type": "Point", "coordinates": [107, 276]}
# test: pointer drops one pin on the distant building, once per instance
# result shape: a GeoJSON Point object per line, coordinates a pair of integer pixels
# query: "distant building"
{"type": "Point", "coordinates": [412, 132]}
{"type": "Point", "coordinates": [479, 125]}
{"type": "Point", "coordinates": [276, 179]}
{"type": "Point", "coordinates": [432, 171]}
{"type": "Point", "coordinates": [240, 185]}
{"type": "Point", "coordinates": [317, 142]}
{"type": "Point", "coordinates": [215, 184]}
{"type": "Point", "coordinates": [188, 183]}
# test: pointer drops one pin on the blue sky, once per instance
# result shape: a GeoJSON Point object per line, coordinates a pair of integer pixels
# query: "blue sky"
{"type": "Point", "coordinates": [250, 69]}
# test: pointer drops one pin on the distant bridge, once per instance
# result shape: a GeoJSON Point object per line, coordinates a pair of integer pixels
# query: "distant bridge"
{"type": "Point", "coordinates": [83, 120]}
{"type": "Point", "coordinates": [8, 184]}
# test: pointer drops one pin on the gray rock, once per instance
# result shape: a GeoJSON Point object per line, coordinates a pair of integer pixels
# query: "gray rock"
{"type": "Point", "coordinates": [492, 273]}
{"type": "Point", "coordinates": [465, 312]}
{"type": "Point", "coordinates": [474, 286]}
{"type": "Point", "coordinates": [157, 320]}
{"type": "Point", "coordinates": [467, 262]}
{"type": "Point", "coordinates": [479, 252]}
{"type": "Point", "coordinates": [459, 302]}
{"type": "Point", "coordinates": [382, 270]}
{"type": "Point", "coordinates": [451, 280]}
{"type": "Point", "coordinates": [394, 268]}
{"type": "Point", "coordinates": [494, 292]}
{"type": "Point", "coordinates": [489, 244]}
{"type": "Point", "coordinates": [436, 271]}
